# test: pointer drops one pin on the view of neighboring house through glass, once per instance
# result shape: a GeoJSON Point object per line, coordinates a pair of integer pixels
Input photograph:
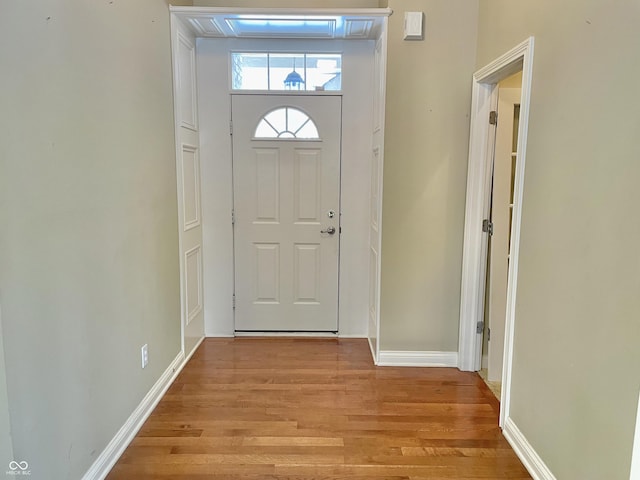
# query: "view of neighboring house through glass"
{"type": "Point", "coordinates": [286, 71]}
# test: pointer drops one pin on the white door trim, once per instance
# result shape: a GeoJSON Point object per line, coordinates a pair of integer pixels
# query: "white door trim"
{"type": "Point", "coordinates": [376, 193]}
{"type": "Point", "coordinates": [215, 161]}
{"type": "Point", "coordinates": [635, 455]}
{"type": "Point", "coordinates": [481, 146]}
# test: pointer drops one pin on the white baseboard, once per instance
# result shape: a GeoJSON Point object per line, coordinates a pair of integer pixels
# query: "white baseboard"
{"type": "Point", "coordinates": [391, 358]}
{"type": "Point", "coordinates": [287, 334]}
{"type": "Point", "coordinates": [110, 455]}
{"type": "Point", "coordinates": [188, 357]}
{"type": "Point", "coordinates": [525, 452]}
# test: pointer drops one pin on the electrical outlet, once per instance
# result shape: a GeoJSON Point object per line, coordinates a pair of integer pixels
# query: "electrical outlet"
{"type": "Point", "coordinates": [145, 355]}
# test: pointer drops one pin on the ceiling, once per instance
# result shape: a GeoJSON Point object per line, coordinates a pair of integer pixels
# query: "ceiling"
{"type": "Point", "coordinates": [356, 24]}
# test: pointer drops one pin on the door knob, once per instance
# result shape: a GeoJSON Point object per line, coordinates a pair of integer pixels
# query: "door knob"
{"type": "Point", "coordinates": [329, 230]}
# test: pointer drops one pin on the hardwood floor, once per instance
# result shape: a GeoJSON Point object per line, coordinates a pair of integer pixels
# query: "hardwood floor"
{"type": "Point", "coordinates": [283, 408]}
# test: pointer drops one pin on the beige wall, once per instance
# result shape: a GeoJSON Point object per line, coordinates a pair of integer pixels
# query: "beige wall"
{"type": "Point", "coordinates": [577, 333]}
{"type": "Point", "coordinates": [6, 445]}
{"type": "Point", "coordinates": [88, 243]}
{"type": "Point", "coordinates": [426, 149]}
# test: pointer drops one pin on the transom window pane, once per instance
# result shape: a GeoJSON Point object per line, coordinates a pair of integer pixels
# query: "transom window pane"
{"type": "Point", "coordinates": [286, 71]}
{"type": "Point", "coordinates": [287, 122]}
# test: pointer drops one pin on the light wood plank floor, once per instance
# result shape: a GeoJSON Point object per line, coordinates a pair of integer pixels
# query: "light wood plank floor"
{"type": "Point", "coordinates": [283, 408]}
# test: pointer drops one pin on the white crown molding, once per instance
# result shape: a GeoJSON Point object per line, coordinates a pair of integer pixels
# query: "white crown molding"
{"type": "Point", "coordinates": [525, 452]}
{"type": "Point", "coordinates": [390, 358]}
{"type": "Point", "coordinates": [350, 12]}
{"type": "Point", "coordinates": [341, 23]}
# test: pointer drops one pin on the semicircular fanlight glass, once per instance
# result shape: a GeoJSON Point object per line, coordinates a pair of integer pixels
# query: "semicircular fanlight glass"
{"type": "Point", "coordinates": [287, 122]}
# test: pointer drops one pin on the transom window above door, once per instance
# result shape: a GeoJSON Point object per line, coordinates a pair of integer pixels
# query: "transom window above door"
{"type": "Point", "coordinates": [286, 71]}
{"type": "Point", "coordinates": [286, 123]}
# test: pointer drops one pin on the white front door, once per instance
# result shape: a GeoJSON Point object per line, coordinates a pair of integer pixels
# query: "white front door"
{"type": "Point", "coordinates": [286, 180]}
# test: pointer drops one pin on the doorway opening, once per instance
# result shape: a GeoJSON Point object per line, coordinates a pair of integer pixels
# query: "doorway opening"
{"type": "Point", "coordinates": [221, 53]}
{"type": "Point", "coordinates": [506, 122]}
{"type": "Point", "coordinates": [482, 145]}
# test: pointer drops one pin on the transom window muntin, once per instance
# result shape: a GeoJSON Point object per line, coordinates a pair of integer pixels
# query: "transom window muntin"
{"type": "Point", "coordinates": [271, 71]}
{"type": "Point", "coordinates": [286, 123]}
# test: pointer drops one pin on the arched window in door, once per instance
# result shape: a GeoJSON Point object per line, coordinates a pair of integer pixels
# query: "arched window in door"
{"type": "Point", "coordinates": [286, 123]}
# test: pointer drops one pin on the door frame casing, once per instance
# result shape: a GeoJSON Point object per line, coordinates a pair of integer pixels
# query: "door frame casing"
{"type": "Point", "coordinates": [481, 149]}
{"type": "Point", "coordinates": [361, 305]}
{"type": "Point", "coordinates": [216, 177]}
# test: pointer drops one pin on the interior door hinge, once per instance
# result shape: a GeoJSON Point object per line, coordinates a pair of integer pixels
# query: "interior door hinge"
{"type": "Point", "coordinates": [487, 226]}
{"type": "Point", "coordinates": [233, 217]}
{"type": "Point", "coordinates": [479, 327]}
{"type": "Point", "coordinates": [230, 127]}
{"type": "Point", "coordinates": [493, 117]}
{"type": "Point", "coordinates": [233, 301]}
{"type": "Point", "coordinates": [488, 334]}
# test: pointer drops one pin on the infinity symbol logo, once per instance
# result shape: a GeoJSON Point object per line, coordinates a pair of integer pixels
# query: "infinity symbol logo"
{"type": "Point", "coordinates": [18, 465]}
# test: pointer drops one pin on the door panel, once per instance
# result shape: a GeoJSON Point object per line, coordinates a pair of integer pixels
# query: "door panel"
{"type": "Point", "coordinates": [188, 183]}
{"type": "Point", "coordinates": [267, 273]}
{"type": "Point", "coordinates": [267, 172]}
{"type": "Point", "coordinates": [306, 271]}
{"type": "Point", "coordinates": [307, 186]}
{"type": "Point", "coordinates": [286, 270]}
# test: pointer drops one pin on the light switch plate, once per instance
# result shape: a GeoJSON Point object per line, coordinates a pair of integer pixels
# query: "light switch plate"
{"type": "Point", "coordinates": [413, 25]}
{"type": "Point", "coordinates": [145, 355]}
